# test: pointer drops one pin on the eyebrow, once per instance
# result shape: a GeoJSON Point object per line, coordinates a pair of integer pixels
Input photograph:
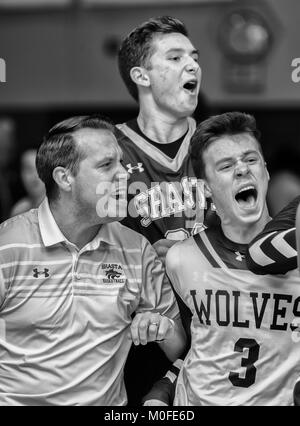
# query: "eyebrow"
{"type": "Point", "coordinates": [111, 157]}
{"type": "Point", "coordinates": [179, 50]}
{"type": "Point", "coordinates": [105, 159]}
{"type": "Point", "coordinates": [223, 160]}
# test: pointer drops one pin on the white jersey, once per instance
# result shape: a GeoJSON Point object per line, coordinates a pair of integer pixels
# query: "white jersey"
{"type": "Point", "coordinates": [245, 343]}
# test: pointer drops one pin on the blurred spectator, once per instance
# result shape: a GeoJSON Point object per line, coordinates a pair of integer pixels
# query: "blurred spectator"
{"type": "Point", "coordinates": [8, 175]}
{"type": "Point", "coordinates": [34, 187]}
{"type": "Point", "coordinates": [283, 188]}
{"type": "Point", "coordinates": [283, 165]}
{"type": "Point", "coordinates": [203, 109]}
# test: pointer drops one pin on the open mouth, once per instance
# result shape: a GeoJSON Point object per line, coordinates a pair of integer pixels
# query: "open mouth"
{"type": "Point", "coordinates": [190, 86]}
{"type": "Point", "coordinates": [246, 197]}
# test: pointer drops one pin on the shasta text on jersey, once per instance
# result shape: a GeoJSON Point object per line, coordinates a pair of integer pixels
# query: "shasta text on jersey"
{"type": "Point", "coordinates": [166, 198]}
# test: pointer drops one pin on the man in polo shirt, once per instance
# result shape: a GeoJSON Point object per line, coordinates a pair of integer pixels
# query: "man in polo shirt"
{"type": "Point", "coordinates": [71, 276]}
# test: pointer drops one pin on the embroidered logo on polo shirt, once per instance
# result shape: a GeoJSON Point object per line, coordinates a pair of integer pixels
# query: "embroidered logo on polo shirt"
{"type": "Point", "coordinates": [37, 273]}
{"type": "Point", "coordinates": [113, 273]}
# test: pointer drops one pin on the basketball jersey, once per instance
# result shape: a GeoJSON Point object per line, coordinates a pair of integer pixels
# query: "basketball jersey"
{"type": "Point", "coordinates": [165, 199]}
{"type": "Point", "coordinates": [245, 341]}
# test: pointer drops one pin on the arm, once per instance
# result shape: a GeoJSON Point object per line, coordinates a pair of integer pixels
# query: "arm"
{"type": "Point", "coordinates": [157, 316]}
{"type": "Point", "coordinates": [274, 250]}
{"type": "Point", "coordinates": [2, 288]}
{"type": "Point", "coordinates": [161, 247]}
{"type": "Point", "coordinates": [169, 334]}
{"type": "Point", "coordinates": [298, 236]}
{"type": "Point", "coordinates": [174, 345]}
{"type": "Point", "coordinates": [163, 391]}
{"type": "Point", "coordinates": [297, 394]}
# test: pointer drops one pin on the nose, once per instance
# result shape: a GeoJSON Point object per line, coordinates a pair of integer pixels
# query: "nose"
{"type": "Point", "coordinates": [192, 65]}
{"type": "Point", "coordinates": [241, 169]}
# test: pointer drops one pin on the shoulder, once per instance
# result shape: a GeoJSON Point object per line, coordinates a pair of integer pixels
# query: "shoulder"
{"type": "Point", "coordinates": [127, 237]}
{"type": "Point", "coordinates": [19, 229]}
{"type": "Point", "coordinates": [121, 134]}
{"type": "Point", "coordinates": [179, 253]}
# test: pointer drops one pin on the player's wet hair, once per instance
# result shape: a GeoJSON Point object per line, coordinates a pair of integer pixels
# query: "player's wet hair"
{"type": "Point", "coordinates": [136, 48]}
{"type": "Point", "coordinates": [59, 148]}
{"type": "Point", "coordinates": [227, 124]}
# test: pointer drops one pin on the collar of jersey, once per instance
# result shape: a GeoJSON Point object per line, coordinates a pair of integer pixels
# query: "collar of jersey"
{"type": "Point", "coordinates": [226, 242]}
{"type": "Point", "coordinates": [160, 157]}
{"type": "Point", "coordinates": [52, 235]}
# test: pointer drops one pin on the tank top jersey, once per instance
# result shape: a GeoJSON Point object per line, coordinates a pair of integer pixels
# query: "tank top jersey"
{"type": "Point", "coordinates": [165, 199]}
{"type": "Point", "coordinates": [245, 336]}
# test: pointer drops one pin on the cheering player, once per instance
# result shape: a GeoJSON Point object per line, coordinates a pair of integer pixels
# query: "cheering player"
{"type": "Point", "coordinates": [159, 65]}
{"type": "Point", "coordinates": [244, 342]}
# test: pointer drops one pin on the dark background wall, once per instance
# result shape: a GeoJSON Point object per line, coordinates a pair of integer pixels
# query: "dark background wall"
{"type": "Point", "coordinates": [62, 62]}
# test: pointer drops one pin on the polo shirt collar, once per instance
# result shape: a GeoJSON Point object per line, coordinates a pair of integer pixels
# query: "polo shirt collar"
{"type": "Point", "coordinates": [52, 235]}
{"type": "Point", "coordinates": [50, 232]}
{"type": "Point", "coordinates": [105, 234]}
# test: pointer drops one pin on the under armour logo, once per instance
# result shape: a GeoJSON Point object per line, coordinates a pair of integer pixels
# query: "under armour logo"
{"type": "Point", "coordinates": [37, 273]}
{"type": "Point", "coordinates": [239, 256]}
{"type": "Point", "coordinates": [132, 169]}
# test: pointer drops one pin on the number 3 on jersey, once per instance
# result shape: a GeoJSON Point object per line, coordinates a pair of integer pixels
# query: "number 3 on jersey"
{"type": "Point", "coordinates": [248, 363]}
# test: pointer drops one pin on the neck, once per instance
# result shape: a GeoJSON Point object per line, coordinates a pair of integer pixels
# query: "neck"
{"type": "Point", "coordinates": [159, 127]}
{"type": "Point", "coordinates": [74, 227]}
{"type": "Point", "coordinates": [36, 200]}
{"type": "Point", "coordinates": [244, 234]}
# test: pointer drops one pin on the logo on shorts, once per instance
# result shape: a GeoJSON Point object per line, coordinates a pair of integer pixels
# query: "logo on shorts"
{"type": "Point", "coordinates": [138, 168]}
{"type": "Point", "coordinates": [37, 273]}
{"type": "Point", "coordinates": [113, 273]}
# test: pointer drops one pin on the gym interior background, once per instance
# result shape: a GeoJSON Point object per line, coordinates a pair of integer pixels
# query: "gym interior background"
{"type": "Point", "coordinates": [60, 58]}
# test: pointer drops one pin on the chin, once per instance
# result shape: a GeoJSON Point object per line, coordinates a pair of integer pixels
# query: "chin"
{"type": "Point", "coordinates": [188, 112]}
{"type": "Point", "coordinates": [250, 217]}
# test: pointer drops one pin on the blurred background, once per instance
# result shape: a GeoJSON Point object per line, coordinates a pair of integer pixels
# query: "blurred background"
{"type": "Point", "coordinates": [60, 58]}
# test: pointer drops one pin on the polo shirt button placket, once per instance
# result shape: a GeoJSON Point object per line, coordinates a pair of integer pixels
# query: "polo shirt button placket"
{"type": "Point", "coordinates": [76, 275]}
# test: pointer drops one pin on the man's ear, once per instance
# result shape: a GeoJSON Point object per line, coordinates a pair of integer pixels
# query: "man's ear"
{"type": "Point", "coordinates": [207, 190]}
{"type": "Point", "coordinates": [139, 76]}
{"type": "Point", "coordinates": [63, 178]}
{"type": "Point", "coordinates": [268, 174]}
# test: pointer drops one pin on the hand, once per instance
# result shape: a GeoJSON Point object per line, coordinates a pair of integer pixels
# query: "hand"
{"type": "Point", "coordinates": [162, 246]}
{"type": "Point", "coordinates": [150, 327]}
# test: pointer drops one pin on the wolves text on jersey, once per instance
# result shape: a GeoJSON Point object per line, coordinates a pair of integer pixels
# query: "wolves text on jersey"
{"type": "Point", "coordinates": [275, 311]}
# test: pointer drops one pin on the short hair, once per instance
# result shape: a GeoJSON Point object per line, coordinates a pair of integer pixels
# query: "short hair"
{"type": "Point", "coordinates": [228, 124]}
{"type": "Point", "coordinates": [59, 149]}
{"type": "Point", "coordinates": [136, 48]}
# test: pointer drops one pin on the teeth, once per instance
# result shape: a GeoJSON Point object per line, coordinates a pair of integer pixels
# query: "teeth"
{"type": "Point", "coordinates": [245, 189]}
